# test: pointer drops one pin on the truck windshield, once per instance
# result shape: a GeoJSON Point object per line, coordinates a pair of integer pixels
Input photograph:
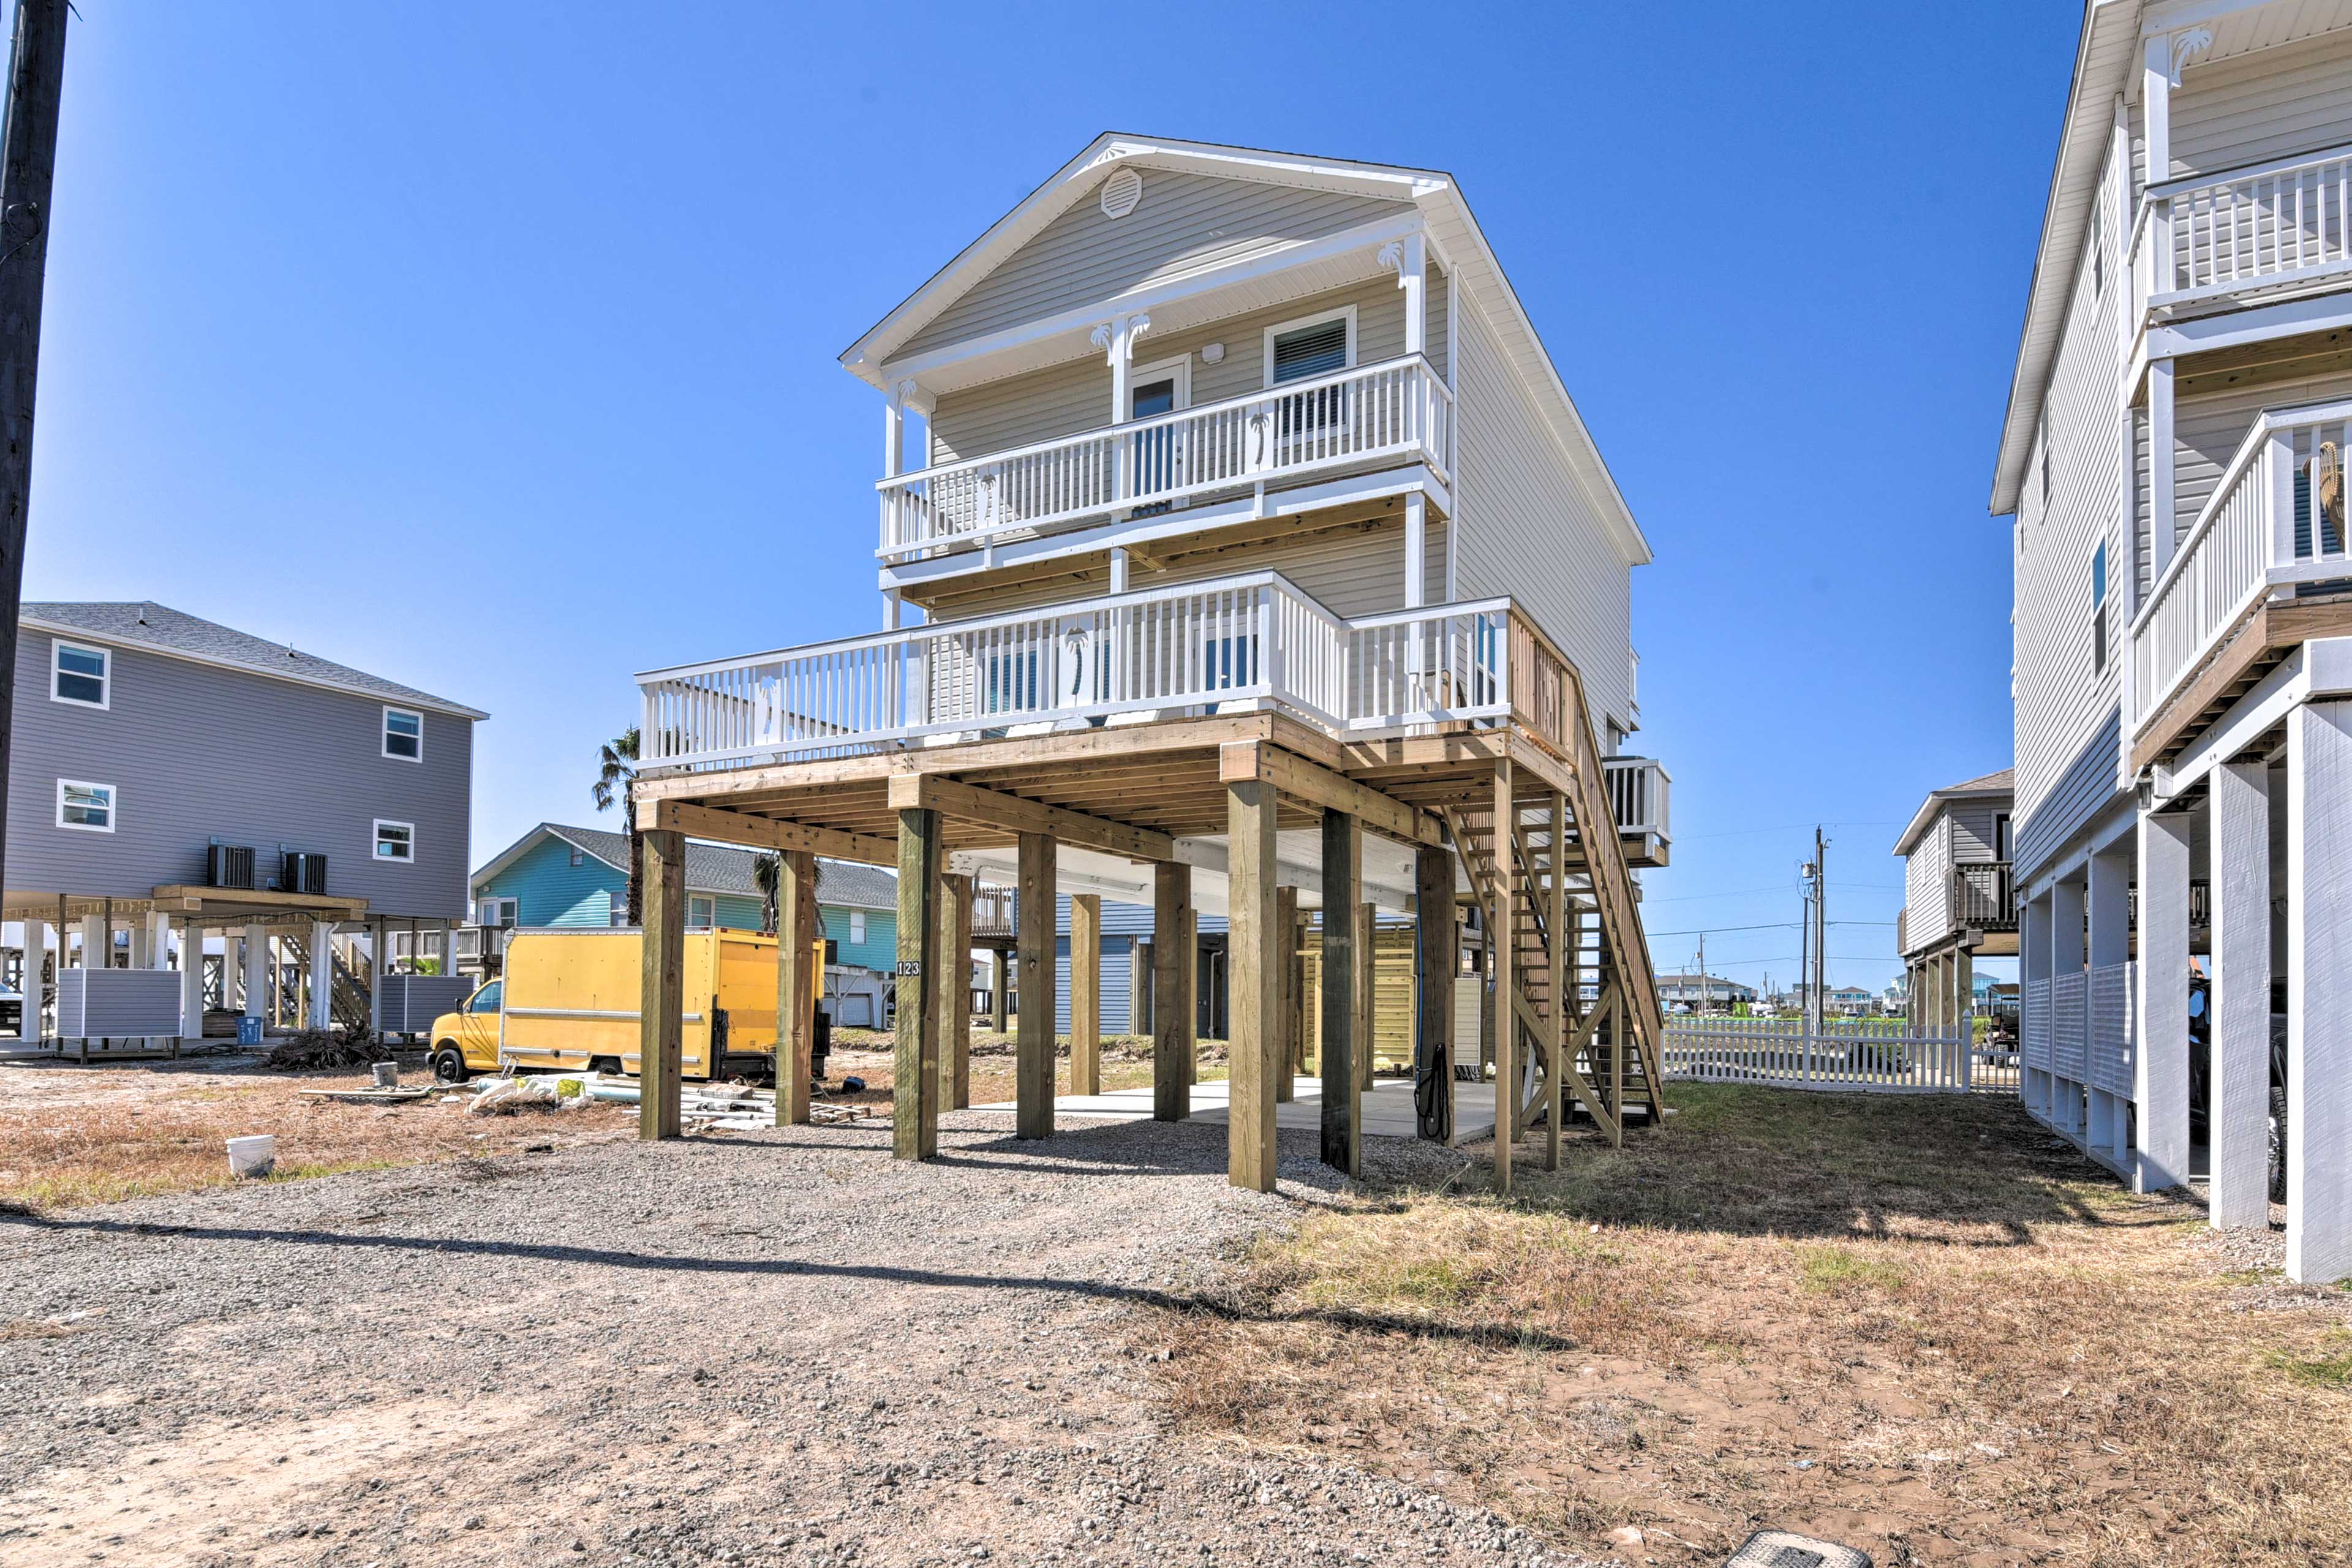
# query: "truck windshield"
{"type": "Point", "coordinates": [487, 999]}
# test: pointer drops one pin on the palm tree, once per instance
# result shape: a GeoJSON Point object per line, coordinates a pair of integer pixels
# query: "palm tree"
{"type": "Point", "coordinates": [616, 770]}
{"type": "Point", "coordinates": [768, 876]}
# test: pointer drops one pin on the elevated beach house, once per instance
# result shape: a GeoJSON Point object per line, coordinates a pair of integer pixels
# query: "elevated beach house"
{"type": "Point", "coordinates": [2172, 461]}
{"type": "Point", "coordinates": [178, 787]}
{"type": "Point", "coordinates": [1237, 534]}
{"type": "Point", "coordinates": [1958, 902]}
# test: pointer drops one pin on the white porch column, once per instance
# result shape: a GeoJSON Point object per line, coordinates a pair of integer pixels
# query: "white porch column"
{"type": "Point", "coordinates": [191, 984]}
{"type": "Point", "coordinates": [2162, 521]}
{"type": "Point", "coordinates": [2319, 992]}
{"type": "Point", "coordinates": [2032, 964]}
{"type": "Point", "coordinates": [2238, 1076]}
{"type": "Point", "coordinates": [1410, 256]}
{"type": "Point", "coordinates": [2065, 959]}
{"type": "Point", "coordinates": [232, 970]}
{"type": "Point", "coordinates": [1416, 550]}
{"type": "Point", "coordinates": [37, 952]}
{"type": "Point", "coordinates": [322, 975]}
{"type": "Point", "coordinates": [894, 431]}
{"type": "Point", "coordinates": [2161, 1076]}
{"type": "Point", "coordinates": [2110, 943]}
{"type": "Point", "coordinates": [96, 942]}
{"type": "Point", "coordinates": [1118, 568]}
{"type": "Point", "coordinates": [256, 972]}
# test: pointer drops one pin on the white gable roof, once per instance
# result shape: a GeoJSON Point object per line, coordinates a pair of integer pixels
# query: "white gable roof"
{"type": "Point", "coordinates": [1435, 195]}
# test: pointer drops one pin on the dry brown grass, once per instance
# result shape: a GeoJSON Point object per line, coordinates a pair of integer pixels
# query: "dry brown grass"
{"type": "Point", "coordinates": [71, 1136]}
{"type": "Point", "coordinates": [1126, 1064]}
{"type": "Point", "coordinates": [1910, 1324]}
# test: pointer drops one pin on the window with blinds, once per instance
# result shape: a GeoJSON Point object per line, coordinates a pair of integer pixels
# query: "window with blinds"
{"type": "Point", "coordinates": [1310, 351]}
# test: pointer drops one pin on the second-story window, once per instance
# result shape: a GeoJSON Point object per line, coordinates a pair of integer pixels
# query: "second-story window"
{"type": "Point", "coordinates": [1303, 350]}
{"type": "Point", "coordinates": [403, 734]}
{"type": "Point", "coordinates": [80, 675]}
{"type": "Point", "coordinates": [857, 925]}
{"type": "Point", "coordinates": [701, 912]}
{"type": "Point", "coordinates": [2099, 609]}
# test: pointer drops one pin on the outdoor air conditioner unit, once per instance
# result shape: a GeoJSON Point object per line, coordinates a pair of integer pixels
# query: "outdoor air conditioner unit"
{"type": "Point", "coordinates": [228, 865]}
{"type": "Point", "coordinates": [303, 873]}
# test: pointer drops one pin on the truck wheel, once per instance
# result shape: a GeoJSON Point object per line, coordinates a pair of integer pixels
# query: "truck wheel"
{"type": "Point", "coordinates": [449, 1064]}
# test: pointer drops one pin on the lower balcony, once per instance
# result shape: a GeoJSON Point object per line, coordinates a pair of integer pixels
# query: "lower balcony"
{"type": "Point", "coordinates": [2267, 556]}
{"type": "Point", "coordinates": [1238, 644]}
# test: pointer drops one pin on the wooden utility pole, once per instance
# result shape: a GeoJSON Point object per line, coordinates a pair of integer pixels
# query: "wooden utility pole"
{"type": "Point", "coordinates": [29, 157]}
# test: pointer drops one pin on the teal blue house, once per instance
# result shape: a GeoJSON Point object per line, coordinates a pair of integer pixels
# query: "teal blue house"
{"type": "Point", "coordinates": [559, 876]}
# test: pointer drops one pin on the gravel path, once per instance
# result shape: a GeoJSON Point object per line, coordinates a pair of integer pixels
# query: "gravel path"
{"type": "Point", "coordinates": [771, 1348]}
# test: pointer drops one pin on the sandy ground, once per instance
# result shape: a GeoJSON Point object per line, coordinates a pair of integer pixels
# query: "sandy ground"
{"type": "Point", "coordinates": [776, 1347]}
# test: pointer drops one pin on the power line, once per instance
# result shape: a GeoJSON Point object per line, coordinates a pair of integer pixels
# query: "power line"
{"type": "Point", "coordinates": [1769, 925]}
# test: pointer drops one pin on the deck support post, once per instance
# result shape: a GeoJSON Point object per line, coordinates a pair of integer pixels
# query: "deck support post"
{"type": "Point", "coordinates": [662, 985]}
{"type": "Point", "coordinates": [322, 975]}
{"type": "Point", "coordinates": [915, 1065]}
{"type": "Point", "coordinates": [1556, 1047]}
{"type": "Point", "coordinates": [953, 991]}
{"type": "Point", "coordinates": [1253, 970]}
{"type": "Point", "coordinates": [795, 984]}
{"type": "Point", "coordinates": [1086, 993]}
{"type": "Point", "coordinates": [1343, 843]}
{"type": "Point", "coordinates": [192, 985]}
{"type": "Point", "coordinates": [1191, 992]}
{"type": "Point", "coordinates": [999, 985]}
{"type": "Point", "coordinates": [1436, 957]}
{"type": "Point", "coordinates": [1501, 941]}
{"type": "Point", "coordinates": [1287, 1043]}
{"type": "Point", "coordinates": [2319, 992]}
{"type": "Point", "coordinates": [1172, 1023]}
{"type": "Point", "coordinates": [1033, 1045]}
{"type": "Point", "coordinates": [256, 968]}
{"type": "Point", "coordinates": [2240, 1022]}
{"type": "Point", "coordinates": [1367, 994]}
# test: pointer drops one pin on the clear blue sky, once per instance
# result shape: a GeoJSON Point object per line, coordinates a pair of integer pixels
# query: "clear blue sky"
{"type": "Point", "coordinates": [491, 347]}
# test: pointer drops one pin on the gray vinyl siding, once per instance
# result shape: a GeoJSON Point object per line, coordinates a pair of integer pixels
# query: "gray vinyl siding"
{"type": "Point", "coordinates": [2063, 707]}
{"type": "Point", "coordinates": [196, 751]}
{"type": "Point", "coordinates": [1527, 530]}
{"type": "Point", "coordinates": [1115, 996]}
{"type": "Point", "coordinates": [1971, 830]}
{"type": "Point", "coordinates": [1073, 398]}
{"type": "Point", "coordinates": [1926, 911]}
{"type": "Point", "coordinates": [2275, 103]}
{"type": "Point", "coordinates": [1355, 570]}
{"type": "Point", "coordinates": [1185, 224]}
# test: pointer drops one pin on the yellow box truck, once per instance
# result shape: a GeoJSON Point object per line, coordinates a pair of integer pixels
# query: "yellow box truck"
{"type": "Point", "coordinates": [567, 1002]}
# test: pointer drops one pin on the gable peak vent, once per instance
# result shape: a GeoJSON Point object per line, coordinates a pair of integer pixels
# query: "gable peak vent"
{"type": "Point", "coordinates": [1120, 193]}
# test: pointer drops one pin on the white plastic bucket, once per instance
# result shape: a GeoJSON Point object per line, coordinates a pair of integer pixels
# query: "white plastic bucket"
{"type": "Point", "coordinates": [252, 1156]}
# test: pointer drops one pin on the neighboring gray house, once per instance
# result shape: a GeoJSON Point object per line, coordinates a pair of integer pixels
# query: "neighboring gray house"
{"type": "Point", "coordinates": [172, 775]}
{"type": "Point", "coordinates": [1960, 903]}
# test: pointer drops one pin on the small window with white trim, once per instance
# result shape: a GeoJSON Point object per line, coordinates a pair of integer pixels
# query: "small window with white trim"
{"type": "Point", "coordinates": [85, 807]}
{"type": "Point", "coordinates": [857, 925]}
{"type": "Point", "coordinates": [701, 912]}
{"type": "Point", "coordinates": [395, 841]}
{"type": "Point", "coordinates": [403, 734]}
{"type": "Point", "coordinates": [1311, 346]}
{"type": "Point", "coordinates": [79, 674]}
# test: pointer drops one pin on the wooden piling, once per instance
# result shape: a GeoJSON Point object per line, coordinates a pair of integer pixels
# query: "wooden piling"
{"type": "Point", "coordinates": [1253, 971]}
{"type": "Point", "coordinates": [1342, 959]}
{"type": "Point", "coordinates": [661, 998]}
{"type": "Point", "coordinates": [1500, 941]}
{"type": "Point", "coordinates": [795, 984]}
{"type": "Point", "coordinates": [1085, 993]}
{"type": "Point", "coordinates": [1436, 954]}
{"type": "Point", "coordinates": [954, 991]}
{"type": "Point", "coordinates": [1033, 1049]}
{"type": "Point", "coordinates": [1173, 1047]}
{"type": "Point", "coordinates": [1285, 1036]}
{"type": "Point", "coordinates": [915, 1065]}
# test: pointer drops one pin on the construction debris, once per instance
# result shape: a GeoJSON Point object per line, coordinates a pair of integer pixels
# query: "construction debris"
{"type": "Point", "coordinates": [367, 1096]}
{"type": "Point", "coordinates": [315, 1048]}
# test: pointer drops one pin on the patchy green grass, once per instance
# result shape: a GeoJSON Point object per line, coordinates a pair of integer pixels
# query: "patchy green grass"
{"type": "Point", "coordinates": [2331, 1368]}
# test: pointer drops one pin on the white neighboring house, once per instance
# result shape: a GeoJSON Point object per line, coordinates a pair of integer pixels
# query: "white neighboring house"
{"type": "Point", "coordinates": [2172, 458]}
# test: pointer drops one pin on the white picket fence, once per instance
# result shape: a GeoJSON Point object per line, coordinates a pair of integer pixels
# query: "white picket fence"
{"type": "Point", "coordinates": [1867, 1055]}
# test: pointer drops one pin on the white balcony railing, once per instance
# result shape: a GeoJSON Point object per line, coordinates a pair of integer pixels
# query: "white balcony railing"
{"type": "Point", "coordinates": [2264, 531]}
{"type": "Point", "coordinates": [1398, 409]}
{"type": "Point", "coordinates": [1637, 794]}
{"type": "Point", "coordinates": [2269, 226]}
{"type": "Point", "coordinates": [1254, 640]}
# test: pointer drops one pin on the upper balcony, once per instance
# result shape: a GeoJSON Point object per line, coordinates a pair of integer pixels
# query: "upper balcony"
{"type": "Point", "coordinates": [1391, 415]}
{"type": "Point", "coordinates": [1253, 642]}
{"type": "Point", "coordinates": [2253, 233]}
{"type": "Point", "coordinates": [2271, 533]}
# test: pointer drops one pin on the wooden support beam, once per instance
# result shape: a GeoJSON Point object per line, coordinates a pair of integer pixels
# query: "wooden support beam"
{"type": "Point", "coordinates": [1342, 1119]}
{"type": "Point", "coordinates": [915, 1067]}
{"type": "Point", "coordinates": [1172, 1049]}
{"type": "Point", "coordinates": [1000, 1008]}
{"type": "Point", "coordinates": [1033, 1047]}
{"type": "Point", "coordinates": [1367, 994]}
{"type": "Point", "coordinates": [768, 833]}
{"type": "Point", "coordinates": [1555, 1105]}
{"type": "Point", "coordinates": [1253, 977]}
{"type": "Point", "coordinates": [1019, 814]}
{"type": "Point", "coordinates": [796, 984]}
{"type": "Point", "coordinates": [954, 991]}
{"type": "Point", "coordinates": [1436, 955]}
{"type": "Point", "coordinates": [1314, 784]}
{"type": "Point", "coordinates": [1085, 993]}
{"type": "Point", "coordinates": [1191, 995]}
{"type": "Point", "coordinates": [1286, 993]}
{"type": "Point", "coordinates": [661, 996]}
{"type": "Point", "coordinates": [1506, 988]}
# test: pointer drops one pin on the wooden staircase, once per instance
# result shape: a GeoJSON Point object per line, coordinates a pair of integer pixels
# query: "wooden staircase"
{"type": "Point", "coordinates": [1554, 888]}
{"type": "Point", "coordinates": [350, 1004]}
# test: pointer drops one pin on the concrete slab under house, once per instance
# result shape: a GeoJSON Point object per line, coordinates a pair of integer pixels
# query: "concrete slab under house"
{"type": "Point", "coordinates": [1267, 575]}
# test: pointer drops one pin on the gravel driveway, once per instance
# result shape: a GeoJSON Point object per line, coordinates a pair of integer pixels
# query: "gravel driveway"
{"type": "Point", "coordinates": [780, 1347]}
